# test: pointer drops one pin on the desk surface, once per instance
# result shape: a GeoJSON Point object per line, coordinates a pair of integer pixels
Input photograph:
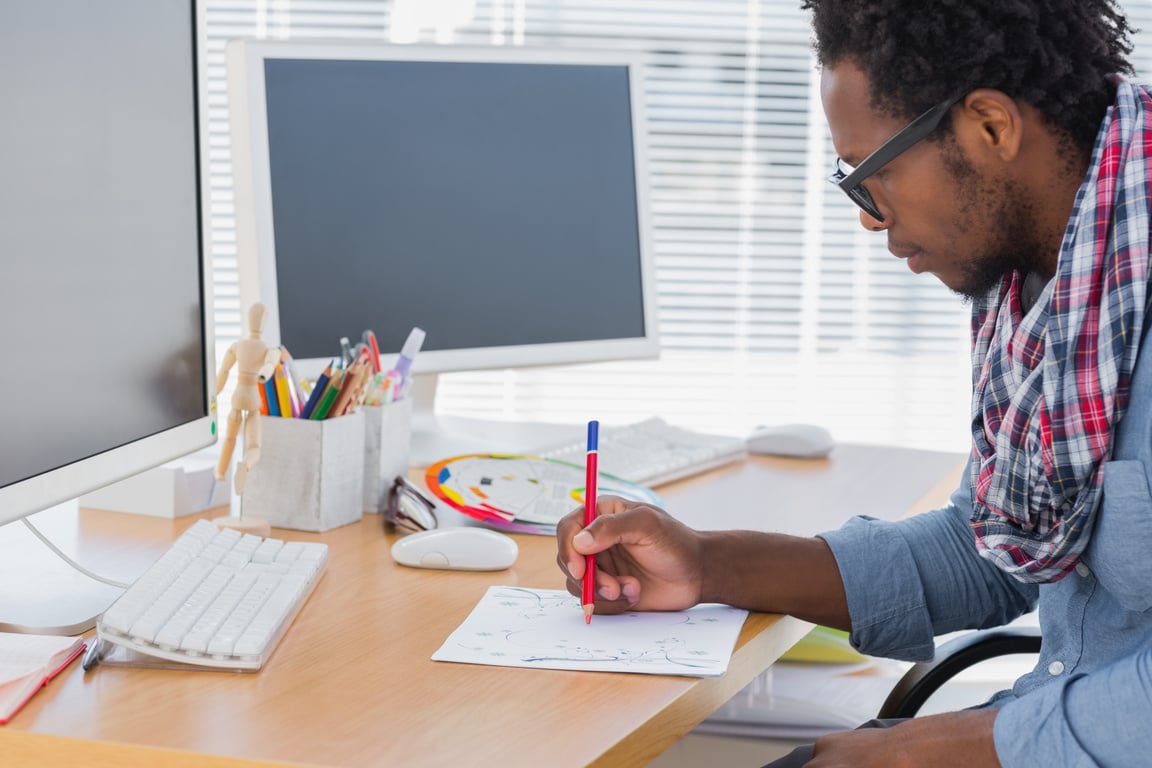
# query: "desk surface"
{"type": "Point", "coordinates": [352, 684]}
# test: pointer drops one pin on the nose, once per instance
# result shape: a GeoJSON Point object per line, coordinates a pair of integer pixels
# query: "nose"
{"type": "Point", "coordinates": [873, 224]}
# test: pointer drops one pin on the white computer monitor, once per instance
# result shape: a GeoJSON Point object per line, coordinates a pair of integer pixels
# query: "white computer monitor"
{"type": "Point", "coordinates": [495, 197]}
{"type": "Point", "coordinates": [105, 318]}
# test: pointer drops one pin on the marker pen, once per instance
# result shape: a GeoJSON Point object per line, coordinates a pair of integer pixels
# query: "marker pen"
{"type": "Point", "coordinates": [403, 365]}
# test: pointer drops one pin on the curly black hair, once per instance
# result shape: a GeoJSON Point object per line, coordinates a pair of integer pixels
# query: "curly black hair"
{"type": "Point", "coordinates": [1056, 55]}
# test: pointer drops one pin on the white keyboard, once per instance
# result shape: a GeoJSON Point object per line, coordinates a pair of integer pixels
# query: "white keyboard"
{"type": "Point", "coordinates": [652, 451]}
{"type": "Point", "coordinates": [216, 598]}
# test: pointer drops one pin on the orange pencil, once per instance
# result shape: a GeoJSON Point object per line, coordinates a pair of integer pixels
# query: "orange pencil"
{"type": "Point", "coordinates": [348, 387]}
{"type": "Point", "coordinates": [263, 400]}
{"type": "Point", "coordinates": [363, 382]}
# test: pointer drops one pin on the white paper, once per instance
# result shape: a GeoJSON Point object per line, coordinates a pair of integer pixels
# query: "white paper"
{"type": "Point", "coordinates": [544, 628]}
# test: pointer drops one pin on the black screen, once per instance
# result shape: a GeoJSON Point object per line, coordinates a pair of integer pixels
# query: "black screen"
{"type": "Point", "coordinates": [491, 204]}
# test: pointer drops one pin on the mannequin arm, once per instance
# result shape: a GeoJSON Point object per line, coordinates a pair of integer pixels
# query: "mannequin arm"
{"type": "Point", "coordinates": [271, 358]}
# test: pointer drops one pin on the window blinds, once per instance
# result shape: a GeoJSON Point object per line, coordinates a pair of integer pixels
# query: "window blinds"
{"type": "Point", "coordinates": [774, 304]}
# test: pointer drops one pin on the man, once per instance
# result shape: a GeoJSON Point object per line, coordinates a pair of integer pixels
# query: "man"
{"type": "Point", "coordinates": [997, 145]}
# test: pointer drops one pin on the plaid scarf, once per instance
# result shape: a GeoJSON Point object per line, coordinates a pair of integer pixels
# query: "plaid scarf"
{"type": "Point", "coordinates": [1051, 384]}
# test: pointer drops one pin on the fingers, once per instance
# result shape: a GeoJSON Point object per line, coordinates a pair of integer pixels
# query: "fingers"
{"type": "Point", "coordinates": [573, 561]}
{"type": "Point", "coordinates": [614, 524]}
{"type": "Point", "coordinates": [617, 522]}
{"type": "Point", "coordinates": [569, 560]}
{"type": "Point", "coordinates": [612, 595]}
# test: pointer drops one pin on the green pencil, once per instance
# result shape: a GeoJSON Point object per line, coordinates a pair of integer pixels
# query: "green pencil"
{"type": "Point", "coordinates": [328, 398]}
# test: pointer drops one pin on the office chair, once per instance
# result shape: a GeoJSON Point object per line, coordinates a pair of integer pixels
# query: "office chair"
{"type": "Point", "coordinates": [954, 656]}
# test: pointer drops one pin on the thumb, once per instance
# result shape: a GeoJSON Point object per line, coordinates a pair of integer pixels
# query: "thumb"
{"type": "Point", "coordinates": [634, 525]}
{"type": "Point", "coordinates": [585, 543]}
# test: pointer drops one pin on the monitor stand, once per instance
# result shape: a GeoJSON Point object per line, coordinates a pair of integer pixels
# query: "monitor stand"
{"type": "Point", "coordinates": [39, 592]}
{"type": "Point", "coordinates": [437, 437]}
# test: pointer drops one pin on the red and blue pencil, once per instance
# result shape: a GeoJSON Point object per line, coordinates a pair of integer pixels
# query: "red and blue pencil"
{"type": "Point", "coordinates": [588, 599]}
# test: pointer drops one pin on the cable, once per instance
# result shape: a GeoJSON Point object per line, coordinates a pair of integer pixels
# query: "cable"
{"type": "Point", "coordinates": [70, 561]}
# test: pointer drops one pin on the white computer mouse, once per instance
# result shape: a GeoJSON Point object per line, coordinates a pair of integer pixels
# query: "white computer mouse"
{"type": "Point", "coordinates": [460, 549]}
{"type": "Point", "coordinates": [807, 441]}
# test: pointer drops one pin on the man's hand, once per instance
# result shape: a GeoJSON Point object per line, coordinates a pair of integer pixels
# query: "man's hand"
{"type": "Point", "coordinates": [952, 740]}
{"type": "Point", "coordinates": [645, 559]}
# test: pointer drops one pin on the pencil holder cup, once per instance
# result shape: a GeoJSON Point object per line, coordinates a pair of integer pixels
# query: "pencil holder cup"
{"type": "Point", "coordinates": [310, 476]}
{"type": "Point", "coordinates": [387, 436]}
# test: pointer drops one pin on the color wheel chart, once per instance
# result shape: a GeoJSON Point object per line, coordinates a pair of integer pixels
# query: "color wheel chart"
{"type": "Point", "coordinates": [524, 494]}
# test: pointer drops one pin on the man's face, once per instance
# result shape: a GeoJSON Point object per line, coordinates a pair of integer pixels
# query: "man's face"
{"type": "Point", "coordinates": [968, 225]}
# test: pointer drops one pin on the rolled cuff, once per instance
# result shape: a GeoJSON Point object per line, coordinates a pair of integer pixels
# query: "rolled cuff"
{"type": "Point", "coordinates": [885, 600]}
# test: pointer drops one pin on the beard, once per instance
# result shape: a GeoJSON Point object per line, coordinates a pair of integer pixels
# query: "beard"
{"type": "Point", "coordinates": [1012, 241]}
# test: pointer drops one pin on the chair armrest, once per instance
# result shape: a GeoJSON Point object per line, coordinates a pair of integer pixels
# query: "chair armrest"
{"type": "Point", "coordinates": [925, 678]}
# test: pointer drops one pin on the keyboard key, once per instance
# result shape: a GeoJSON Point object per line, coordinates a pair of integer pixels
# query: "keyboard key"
{"type": "Point", "coordinates": [266, 553]}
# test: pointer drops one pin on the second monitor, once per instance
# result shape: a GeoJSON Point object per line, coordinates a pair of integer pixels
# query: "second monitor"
{"type": "Point", "coordinates": [494, 197]}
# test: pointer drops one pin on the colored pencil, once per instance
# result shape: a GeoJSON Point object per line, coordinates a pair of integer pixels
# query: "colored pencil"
{"type": "Point", "coordinates": [588, 600]}
{"type": "Point", "coordinates": [317, 391]}
{"type": "Point", "coordinates": [329, 396]}
{"type": "Point", "coordinates": [293, 378]}
{"type": "Point", "coordinates": [263, 399]}
{"type": "Point", "coordinates": [353, 378]}
{"type": "Point", "coordinates": [269, 387]}
{"type": "Point", "coordinates": [283, 399]}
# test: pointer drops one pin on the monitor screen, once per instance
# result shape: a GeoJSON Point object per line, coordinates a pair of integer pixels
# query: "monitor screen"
{"type": "Point", "coordinates": [492, 197]}
{"type": "Point", "coordinates": [104, 326]}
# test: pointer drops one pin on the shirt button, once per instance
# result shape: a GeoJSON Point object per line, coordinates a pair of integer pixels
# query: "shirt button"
{"type": "Point", "coordinates": [1083, 570]}
{"type": "Point", "coordinates": [1056, 668]}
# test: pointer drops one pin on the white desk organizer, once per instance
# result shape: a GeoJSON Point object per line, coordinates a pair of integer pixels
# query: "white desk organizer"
{"type": "Point", "coordinates": [387, 437]}
{"type": "Point", "coordinates": [175, 489]}
{"type": "Point", "coordinates": [310, 476]}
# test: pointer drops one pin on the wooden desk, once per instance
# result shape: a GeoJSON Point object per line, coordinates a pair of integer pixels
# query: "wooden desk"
{"type": "Point", "coordinates": [351, 683]}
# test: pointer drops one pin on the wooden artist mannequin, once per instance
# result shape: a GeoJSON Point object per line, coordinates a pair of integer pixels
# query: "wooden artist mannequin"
{"type": "Point", "coordinates": [255, 362]}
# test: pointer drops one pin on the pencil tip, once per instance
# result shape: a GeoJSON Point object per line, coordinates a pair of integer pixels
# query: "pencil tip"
{"type": "Point", "coordinates": [588, 613]}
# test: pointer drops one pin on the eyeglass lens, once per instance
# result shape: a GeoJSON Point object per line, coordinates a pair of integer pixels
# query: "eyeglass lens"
{"type": "Point", "coordinates": [407, 508]}
{"type": "Point", "coordinates": [858, 194]}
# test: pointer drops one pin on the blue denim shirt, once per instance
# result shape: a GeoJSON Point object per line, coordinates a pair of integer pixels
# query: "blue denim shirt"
{"type": "Point", "coordinates": [1088, 701]}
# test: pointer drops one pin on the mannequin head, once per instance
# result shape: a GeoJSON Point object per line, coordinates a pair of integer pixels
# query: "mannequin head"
{"type": "Point", "coordinates": [256, 320]}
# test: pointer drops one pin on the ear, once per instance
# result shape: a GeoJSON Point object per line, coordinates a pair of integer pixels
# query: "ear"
{"type": "Point", "coordinates": [990, 121]}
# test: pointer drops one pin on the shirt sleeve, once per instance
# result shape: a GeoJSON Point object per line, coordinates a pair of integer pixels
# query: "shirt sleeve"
{"type": "Point", "coordinates": [1095, 719]}
{"type": "Point", "coordinates": [910, 580]}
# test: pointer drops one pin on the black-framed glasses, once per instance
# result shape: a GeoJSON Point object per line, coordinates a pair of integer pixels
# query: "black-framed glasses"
{"type": "Point", "coordinates": [851, 180]}
{"type": "Point", "coordinates": [406, 507]}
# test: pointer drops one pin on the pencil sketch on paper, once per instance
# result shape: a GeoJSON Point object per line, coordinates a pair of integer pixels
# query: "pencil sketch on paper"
{"type": "Point", "coordinates": [516, 626]}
